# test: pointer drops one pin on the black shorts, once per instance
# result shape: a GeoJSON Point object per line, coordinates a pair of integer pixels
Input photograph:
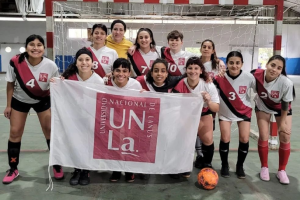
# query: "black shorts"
{"type": "Point", "coordinates": [25, 107]}
{"type": "Point", "coordinates": [278, 112]}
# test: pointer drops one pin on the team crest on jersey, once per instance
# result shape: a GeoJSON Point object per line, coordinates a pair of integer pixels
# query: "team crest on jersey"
{"type": "Point", "coordinates": [274, 94]}
{"type": "Point", "coordinates": [43, 77]}
{"type": "Point", "coordinates": [242, 89]}
{"type": "Point", "coordinates": [105, 60]}
{"type": "Point", "coordinates": [181, 61]}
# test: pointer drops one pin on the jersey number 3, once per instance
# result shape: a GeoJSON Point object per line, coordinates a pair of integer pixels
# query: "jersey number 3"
{"type": "Point", "coordinates": [30, 83]}
{"type": "Point", "coordinates": [232, 96]}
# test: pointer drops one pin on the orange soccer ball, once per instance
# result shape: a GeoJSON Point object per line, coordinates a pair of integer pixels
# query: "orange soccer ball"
{"type": "Point", "coordinates": [208, 178]}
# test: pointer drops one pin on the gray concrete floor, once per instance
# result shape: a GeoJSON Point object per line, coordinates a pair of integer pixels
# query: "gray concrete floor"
{"type": "Point", "coordinates": [33, 167]}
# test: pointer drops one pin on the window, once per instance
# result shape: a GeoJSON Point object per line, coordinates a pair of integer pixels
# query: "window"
{"type": "Point", "coordinates": [194, 50]}
{"type": "Point", "coordinates": [263, 56]}
{"type": "Point", "coordinates": [77, 33]}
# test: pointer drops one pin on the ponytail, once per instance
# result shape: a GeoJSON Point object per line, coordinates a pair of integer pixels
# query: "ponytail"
{"type": "Point", "coordinates": [22, 56]}
{"type": "Point", "coordinates": [72, 69]}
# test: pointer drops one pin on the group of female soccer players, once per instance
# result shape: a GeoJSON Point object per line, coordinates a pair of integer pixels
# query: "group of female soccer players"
{"type": "Point", "coordinates": [143, 66]}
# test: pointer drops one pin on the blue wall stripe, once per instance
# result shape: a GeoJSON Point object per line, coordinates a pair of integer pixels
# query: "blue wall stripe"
{"type": "Point", "coordinates": [292, 66]}
{"type": "Point", "coordinates": [59, 61]}
{"type": "Point", "coordinates": [0, 64]}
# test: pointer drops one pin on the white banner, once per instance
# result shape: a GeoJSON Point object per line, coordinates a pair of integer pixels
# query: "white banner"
{"type": "Point", "coordinates": [104, 128]}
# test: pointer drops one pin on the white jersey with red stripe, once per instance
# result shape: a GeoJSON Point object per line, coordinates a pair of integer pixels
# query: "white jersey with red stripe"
{"type": "Point", "coordinates": [180, 59]}
{"type": "Point", "coordinates": [208, 68]}
{"type": "Point", "coordinates": [106, 56]}
{"type": "Point", "coordinates": [131, 84]}
{"type": "Point", "coordinates": [148, 58]}
{"type": "Point", "coordinates": [202, 86]}
{"type": "Point", "coordinates": [42, 73]}
{"type": "Point", "coordinates": [95, 78]}
{"type": "Point", "coordinates": [280, 89]}
{"type": "Point", "coordinates": [235, 101]}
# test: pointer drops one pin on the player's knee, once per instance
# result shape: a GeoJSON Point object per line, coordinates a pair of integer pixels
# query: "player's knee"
{"type": "Point", "coordinates": [284, 137]}
{"type": "Point", "coordinates": [244, 139]}
{"type": "Point", "coordinates": [15, 133]}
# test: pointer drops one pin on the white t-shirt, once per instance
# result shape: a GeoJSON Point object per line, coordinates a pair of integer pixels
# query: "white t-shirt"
{"type": "Point", "coordinates": [106, 56]}
{"type": "Point", "coordinates": [180, 59]}
{"type": "Point", "coordinates": [131, 84]}
{"type": "Point", "coordinates": [95, 78]}
{"type": "Point", "coordinates": [202, 86]}
{"type": "Point", "coordinates": [208, 68]}
{"type": "Point", "coordinates": [280, 89]}
{"type": "Point", "coordinates": [46, 66]}
{"type": "Point", "coordinates": [149, 58]}
{"type": "Point", "coordinates": [241, 86]}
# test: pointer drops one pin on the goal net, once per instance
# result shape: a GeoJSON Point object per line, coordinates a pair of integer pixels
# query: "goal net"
{"type": "Point", "coordinates": [243, 28]}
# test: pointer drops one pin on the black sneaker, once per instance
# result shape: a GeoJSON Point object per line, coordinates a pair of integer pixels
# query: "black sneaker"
{"type": "Point", "coordinates": [129, 177]}
{"type": "Point", "coordinates": [199, 162]}
{"type": "Point", "coordinates": [144, 176]}
{"type": "Point", "coordinates": [75, 178]}
{"type": "Point", "coordinates": [186, 174]}
{"type": "Point", "coordinates": [207, 165]}
{"type": "Point", "coordinates": [174, 176]}
{"type": "Point", "coordinates": [225, 171]}
{"type": "Point", "coordinates": [84, 177]}
{"type": "Point", "coordinates": [240, 172]}
{"type": "Point", "coordinates": [115, 176]}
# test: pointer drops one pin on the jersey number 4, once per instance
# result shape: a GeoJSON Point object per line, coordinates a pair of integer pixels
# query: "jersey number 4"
{"type": "Point", "coordinates": [30, 83]}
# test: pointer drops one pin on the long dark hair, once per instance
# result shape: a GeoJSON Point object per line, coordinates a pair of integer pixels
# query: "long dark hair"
{"type": "Point", "coordinates": [72, 68]}
{"type": "Point", "coordinates": [283, 71]}
{"type": "Point", "coordinates": [30, 39]}
{"type": "Point", "coordinates": [214, 59]}
{"type": "Point", "coordinates": [152, 44]}
{"type": "Point", "coordinates": [197, 61]}
{"type": "Point", "coordinates": [149, 78]}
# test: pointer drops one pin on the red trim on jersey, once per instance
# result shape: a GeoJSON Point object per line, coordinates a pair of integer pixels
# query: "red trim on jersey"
{"type": "Point", "coordinates": [170, 60]}
{"type": "Point", "coordinates": [277, 42]}
{"type": "Point", "coordinates": [259, 76]}
{"type": "Point", "coordinates": [100, 71]}
{"type": "Point", "coordinates": [237, 103]}
{"type": "Point", "coordinates": [26, 75]}
{"type": "Point", "coordinates": [49, 36]}
{"type": "Point", "coordinates": [139, 62]}
{"type": "Point", "coordinates": [181, 87]}
{"type": "Point", "coordinates": [73, 77]}
{"type": "Point", "coordinates": [143, 83]}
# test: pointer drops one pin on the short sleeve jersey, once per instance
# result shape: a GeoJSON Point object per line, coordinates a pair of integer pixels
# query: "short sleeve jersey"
{"type": "Point", "coordinates": [42, 72]}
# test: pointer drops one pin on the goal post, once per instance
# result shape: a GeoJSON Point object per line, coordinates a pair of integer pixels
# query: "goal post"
{"type": "Point", "coordinates": [277, 4]}
{"type": "Point", "coordinates": [240, 25]}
